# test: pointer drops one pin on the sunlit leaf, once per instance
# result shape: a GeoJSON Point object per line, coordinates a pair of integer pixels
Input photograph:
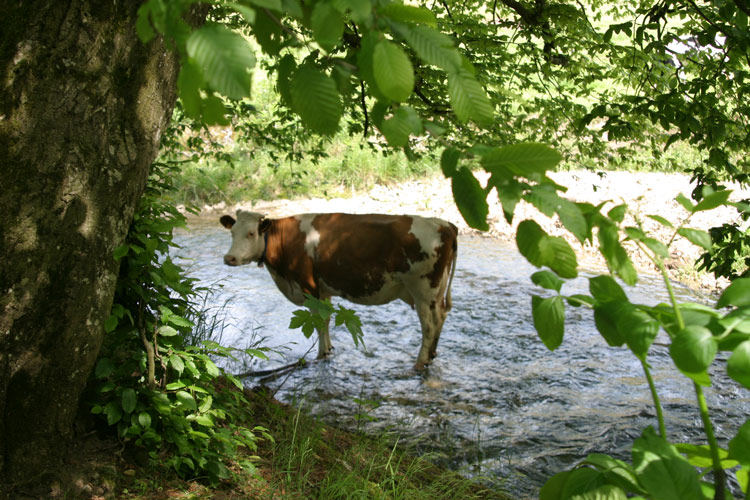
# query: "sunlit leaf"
{"type": "Point", "coordinates": [664, 473]}
{"type": "Point", "coordinates": [316, 99]}
{"type": "Point", "coordinates": [470, 199]}
{"type": "Point", "coordinates": [736, 294]}
{"type": "Point", "coordinates": [738, 365]}
{"type": "Point", "coordinates": [392, 70]}
{"type": "Point", "coordinates": [693, 349]}
{"type": "Point", "coordinates": [547, 279]}
{"type": "Point", "coordinates": [468, 99]}
{"type": "Point", "coordinates": [696, 237]}
{"type": "Point", "coordinates": [713, 200]}
{"type": "Point", "coordinates": [549, 319]}
{"type": "Point", "coordinates": [225, 58]}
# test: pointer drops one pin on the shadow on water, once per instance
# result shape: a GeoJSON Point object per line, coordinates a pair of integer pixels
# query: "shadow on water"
{"type": "Point", "coordinates": [495, 403]}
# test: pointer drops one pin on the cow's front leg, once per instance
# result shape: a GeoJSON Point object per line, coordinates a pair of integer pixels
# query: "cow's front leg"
{"type": "Point", "coordinates": [324, 340]}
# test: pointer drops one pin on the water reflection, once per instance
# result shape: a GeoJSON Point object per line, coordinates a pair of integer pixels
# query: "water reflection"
{"type": "Point", "coordinates": [496, 402]}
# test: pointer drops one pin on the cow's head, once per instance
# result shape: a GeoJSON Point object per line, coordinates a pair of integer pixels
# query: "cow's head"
{"type": "Point", "coordinates": [248, 240]}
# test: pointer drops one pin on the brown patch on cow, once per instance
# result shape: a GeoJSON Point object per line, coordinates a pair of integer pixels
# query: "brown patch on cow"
{"type": "Point", "coordinates": [285, 253]}
{"type": "Point", "coordinates": [355, 252]}
{"type": "Point", "coordinates": [445, 253]}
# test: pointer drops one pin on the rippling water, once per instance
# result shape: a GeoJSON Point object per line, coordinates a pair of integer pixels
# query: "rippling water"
{"type": "Point", "coordinates": [495, 403]}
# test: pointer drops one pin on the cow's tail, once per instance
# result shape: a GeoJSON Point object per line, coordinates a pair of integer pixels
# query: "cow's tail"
{"type": "Point", "coordinates": [448, 301]}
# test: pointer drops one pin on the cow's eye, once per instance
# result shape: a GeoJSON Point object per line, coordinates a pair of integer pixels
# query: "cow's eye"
{"type": "Point", "coordinates": [250, 234]}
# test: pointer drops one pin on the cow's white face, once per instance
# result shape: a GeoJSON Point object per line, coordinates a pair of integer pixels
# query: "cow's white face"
{"type": "Point", "coordinates": [248, 242]}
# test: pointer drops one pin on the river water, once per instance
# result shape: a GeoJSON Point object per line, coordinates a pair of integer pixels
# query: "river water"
{"type": "Point", "coordinates": [495, 403]}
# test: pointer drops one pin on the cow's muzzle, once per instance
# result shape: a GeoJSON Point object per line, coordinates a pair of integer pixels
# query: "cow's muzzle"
{"type": "Point", "coordinates": [230, 260]}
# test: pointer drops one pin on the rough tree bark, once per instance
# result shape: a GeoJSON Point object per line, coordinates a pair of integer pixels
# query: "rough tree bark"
{"type": "Point", "coordinates": [82, 106]}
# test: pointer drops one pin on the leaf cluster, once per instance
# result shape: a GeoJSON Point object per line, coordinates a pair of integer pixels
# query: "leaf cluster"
{"type": "Point", "coordinates": [152, 384]}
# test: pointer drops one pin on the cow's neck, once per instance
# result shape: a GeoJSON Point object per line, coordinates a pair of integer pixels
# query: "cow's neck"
{"type": "Point", "coordinates": [262, 259]}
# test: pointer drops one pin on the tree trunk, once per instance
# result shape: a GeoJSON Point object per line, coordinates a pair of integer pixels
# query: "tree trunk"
{"type": "Point", "coordinates": [82, 107]}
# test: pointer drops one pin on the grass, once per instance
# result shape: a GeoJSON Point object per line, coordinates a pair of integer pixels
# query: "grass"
{"type": "Point", "coordinates": [306, 459]}
{"type": "Point", "coordinates": [349, 167]}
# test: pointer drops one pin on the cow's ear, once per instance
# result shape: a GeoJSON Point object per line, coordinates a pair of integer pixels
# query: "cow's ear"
{"type": "Point", "coordinates": [263, 225]}
{"type": "Point", "coordinates": [227, 221]}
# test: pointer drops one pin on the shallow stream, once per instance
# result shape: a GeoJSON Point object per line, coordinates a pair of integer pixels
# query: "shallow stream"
{"type": "Point", "coordinates": [495, 403]}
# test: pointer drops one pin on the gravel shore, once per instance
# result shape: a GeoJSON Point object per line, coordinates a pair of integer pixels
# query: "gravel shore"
{"type": "Point", "coordinates": [644, 192]}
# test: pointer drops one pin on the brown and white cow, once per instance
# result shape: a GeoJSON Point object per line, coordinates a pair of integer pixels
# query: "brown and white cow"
{"type": "Point", "coordinates": [367, 259]}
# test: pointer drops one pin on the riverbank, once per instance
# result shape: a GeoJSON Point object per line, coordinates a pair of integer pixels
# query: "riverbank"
{"type": "Point", "coordinates": [645, 193]}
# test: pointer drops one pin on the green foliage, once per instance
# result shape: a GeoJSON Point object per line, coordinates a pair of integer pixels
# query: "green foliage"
{"type": "Point", "coordinates": [156, 389]}
{"type": "Point", "coordinates": [696, 334]}
{"type": "Point", "coordinates": [318, 314]}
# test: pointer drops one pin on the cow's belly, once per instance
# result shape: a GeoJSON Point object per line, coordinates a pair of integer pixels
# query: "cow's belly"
{"type": "Point", "coordinates": [391, 289]}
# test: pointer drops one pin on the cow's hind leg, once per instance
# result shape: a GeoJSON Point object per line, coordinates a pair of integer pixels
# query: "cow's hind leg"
{"type": "Point", "coordinates": [440, 314]}
{"type": "Point", "coordinates": [324, 341]}
{"type": "Point", "coordinates": [429, 319]}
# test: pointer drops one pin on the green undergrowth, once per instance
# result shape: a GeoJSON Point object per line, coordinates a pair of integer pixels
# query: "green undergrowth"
{"type": "Point", "coordinates": [306, 459]}
{"type": "Point", "coordinates": [349, 167]}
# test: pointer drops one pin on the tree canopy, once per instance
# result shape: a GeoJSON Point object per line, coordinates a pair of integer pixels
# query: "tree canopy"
{"type": "Point", "coordinates": [597, 80]}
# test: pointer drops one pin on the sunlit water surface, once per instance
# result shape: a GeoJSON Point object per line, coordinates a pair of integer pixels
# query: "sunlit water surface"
{"type": "Point", "coordinates": [495, 403]}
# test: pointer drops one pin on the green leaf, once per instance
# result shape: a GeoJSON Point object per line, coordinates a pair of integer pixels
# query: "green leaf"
{"type": "Point", "coordinates": [577, 300]}
{"type": "Point", "coordinates": [696, 237]}
{"type": "Point", "coordinates": [736, 294]}
{"type": "Point", "coordinates": [713, 200]}
{"type": "Point", "coordinates": [121, 251]}
{"type": "Point", "coordinates": [559, 256]}
{"type": "Point", "coordinates": [617, 258]}
{"type": "Point", "coordinates": [549, 319]}
{"type": "Point", "coordinates": [449, 161]}
{"type": "Point", "coordinates": [700, 456]}
{"type": "Point", "coordinates": [605, 289]}
{"type": "Point", "coordinates": [175, 361]}
{"type": "Point", "coordinates": [470, 198]}
{"type": "Point", "coordinates": [540, 249]}
{"type": "Point", "coordinates": [616, 472]}
{"type": "Point", "coordinates": [144, 419]}
{"type": "Point", "coordinates": [547, 279]}
{"type": "Point", "coordinates": [246, 12]}
{"type": "Point", "coordinates": [552, 489]}
{"type": "Point", "coordinates": [186, 399]}
{"type": "Point", "coordinates": [327, 25]}
{"type": "Point", "coordinates": [225, 59]}
{"type": "Point", "coordinates": [211, 368]}
{"type": "Point", "coordinates": [657, 247]}
{"type": "Point", "coordinates": [638, 328]}
{"type": "Point", "coordinates": [686, 204]}
{"type": "Point", "coordinates": [409, 14]}
{"type": "Point", "coordinates": [204, 420]}
{"type": "Point", "coordinates": [661, 220]}
{"type": "Point", "coordinates": [392, 70]}
{"type": "Point", "coordinates": [617, 214]}
{"type": "Point", "coordinates": [663, 472]}
{"type": "Point", "coordinates": [738, 365]}
{"type": "Point", "coordinates": [213, 111]}
{"type": "Point", "coordinates": [468, 98]}
{"type": "Point", "coordinates": [605, 319]}
{"type": "Point", "coordinates": [167, 331]}
{"type": "Point", "coordinates": [128, 400]}
{"type": "Point", "coordinates": [400, 126]}
{"type": "Point", "coordinates": [104, 368]}
{"type": "Point", "coordinates": [316, 99]}
{"type": "Point", "coordinates": [143, 23]}
{"type": "Point", "coordinates": [521, 159]}
{"type": "Point", "coordinates": [739, 446]}
{"type": "Point", "coordinates": [113, 412]}
{"type": "Point", "coordinates": [432, 47]}
{"type": "Point", "coordinates": [110, 323]}
{"type": "Point", "coordinates": [693, 349]}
